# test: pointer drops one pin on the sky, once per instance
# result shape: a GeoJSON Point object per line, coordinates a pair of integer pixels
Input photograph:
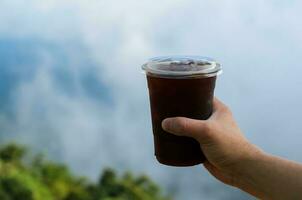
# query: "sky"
{"type": "Point", "coordinates": [71, 83]}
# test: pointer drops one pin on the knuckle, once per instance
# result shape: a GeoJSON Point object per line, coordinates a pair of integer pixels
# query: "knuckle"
{"type": "Point", "coordinates": [207, 127]}
{"type": "Point", "coordinates": [206, 134]}
{"type": "Point", "coordinates": [226, 109]}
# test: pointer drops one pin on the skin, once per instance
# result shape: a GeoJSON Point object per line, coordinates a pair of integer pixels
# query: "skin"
{"type": "Point", "coordinates": [232, 159]}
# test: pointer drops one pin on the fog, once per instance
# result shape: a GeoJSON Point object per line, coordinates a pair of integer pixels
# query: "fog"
{"type": "Point", "coordinates": [71, 84]}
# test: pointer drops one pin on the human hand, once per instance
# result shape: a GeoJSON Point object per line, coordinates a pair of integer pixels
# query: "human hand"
{"type": "Point", "coordinates": [232, 159]}
{"type": "Point", "coordinates": [225, 147]}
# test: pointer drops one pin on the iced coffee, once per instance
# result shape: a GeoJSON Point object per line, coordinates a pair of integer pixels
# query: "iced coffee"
{"type": "Point", "coordinates": [181, 86]}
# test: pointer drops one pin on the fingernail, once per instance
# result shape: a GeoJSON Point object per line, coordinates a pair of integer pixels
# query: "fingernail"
{"type": "Point", "coordinates": [167, 124]}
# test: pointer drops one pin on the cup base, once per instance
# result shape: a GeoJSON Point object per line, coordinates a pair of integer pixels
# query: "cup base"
{"type": "Point", "coordinates": [178, 163]}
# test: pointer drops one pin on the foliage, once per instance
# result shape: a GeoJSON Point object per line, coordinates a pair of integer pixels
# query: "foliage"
{"type": "Point", "coordinates": [22, 178]}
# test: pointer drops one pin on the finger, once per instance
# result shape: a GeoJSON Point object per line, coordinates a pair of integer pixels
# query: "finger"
{"type": "Point", "coordinates": [218, 105]}
{"type": "Point", "coordinates": [211, 168]}
{"type": "Point", "coordinates": [182, 126]}
{"type": "Point", "coordinates": [217, 173]}
{"type": "Point", "coordinates": [219, 109]}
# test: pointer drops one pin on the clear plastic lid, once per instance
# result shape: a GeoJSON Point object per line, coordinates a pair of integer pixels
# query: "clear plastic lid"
{"type": "Point", "coordinates": [182, 66]}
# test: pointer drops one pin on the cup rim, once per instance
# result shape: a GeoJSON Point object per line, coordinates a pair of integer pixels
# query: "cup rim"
{"type": "Point", "coordinates": [200, 67]}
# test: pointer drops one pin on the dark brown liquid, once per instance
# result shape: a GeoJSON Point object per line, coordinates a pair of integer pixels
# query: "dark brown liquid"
{"type": "Point", "coordinates": [192, 98]}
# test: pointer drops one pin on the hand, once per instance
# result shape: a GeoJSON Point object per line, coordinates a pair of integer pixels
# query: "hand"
{"type": "Point", "coordinates": [221, 140]}
{"type": "Point", "coordinates": [235, 161]}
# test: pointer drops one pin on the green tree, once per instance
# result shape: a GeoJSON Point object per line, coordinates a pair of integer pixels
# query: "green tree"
{"type": "Point", "coordinates": [12, 153]}
{"type": "Point", "coordinates": [25, 178]}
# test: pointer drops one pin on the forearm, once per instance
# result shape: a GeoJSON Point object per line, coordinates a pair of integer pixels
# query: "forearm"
{"type": "Point", "coordinates": [270, 177]}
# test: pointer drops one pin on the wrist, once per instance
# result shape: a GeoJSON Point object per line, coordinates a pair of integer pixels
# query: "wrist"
{"type": "Point", "coordinates": [247, 171]}
{"type": "Point", "coordinates": [245, 166]}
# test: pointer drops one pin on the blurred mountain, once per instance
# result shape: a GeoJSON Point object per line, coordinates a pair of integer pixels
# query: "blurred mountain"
{"type": "Point", "coordinates": [20, 59]}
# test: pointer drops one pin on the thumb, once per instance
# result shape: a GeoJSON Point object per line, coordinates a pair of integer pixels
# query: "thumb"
{"type": "Point", "coordinates": [182, 126]}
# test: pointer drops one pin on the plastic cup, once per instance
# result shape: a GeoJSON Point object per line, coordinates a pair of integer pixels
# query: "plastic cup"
{"type": "Point", "coordinates": [180, 86]}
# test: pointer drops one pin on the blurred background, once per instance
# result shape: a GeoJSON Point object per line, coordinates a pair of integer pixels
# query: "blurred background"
{"type": "Point", "coordinates": [71, 84]}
